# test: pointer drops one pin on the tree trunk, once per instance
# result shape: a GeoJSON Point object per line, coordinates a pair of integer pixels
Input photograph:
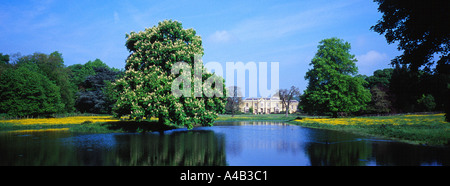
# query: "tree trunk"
{"type": "Point", "coordinates": [287, 110]}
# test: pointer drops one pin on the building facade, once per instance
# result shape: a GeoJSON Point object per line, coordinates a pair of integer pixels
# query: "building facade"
{"type": "Point", "coordinates": [272, 105]}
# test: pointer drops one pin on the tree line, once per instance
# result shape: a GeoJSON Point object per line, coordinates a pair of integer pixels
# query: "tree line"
{"type": "Point", "coordinates": [418, 81]}
{"type": "Point", "coordinates": [335, 88]}
{"type": "Point", "coordinates": [39, 85]}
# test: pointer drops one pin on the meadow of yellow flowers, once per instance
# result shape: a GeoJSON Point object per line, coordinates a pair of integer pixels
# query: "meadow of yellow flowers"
{"type": "Point", "coordinates": [379, 120]}
{"type": "Point", "coordinates": [61, 121]}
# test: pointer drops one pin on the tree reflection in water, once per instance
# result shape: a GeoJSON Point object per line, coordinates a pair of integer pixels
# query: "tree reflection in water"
{"type": "Point", "coordinates": [187, 148]}
{"type": "Point", "coordinates": [196, 148]}
{"type": "Point", "coordinates": [232, 143]}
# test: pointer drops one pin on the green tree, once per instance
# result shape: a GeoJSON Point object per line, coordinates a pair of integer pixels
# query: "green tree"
{"type": "Point", "coordinates": [379, 85]}
{"type": "Point", "coordinates": [426, 103]}
{"type": "Point", "coordinates": [420, 28]}
{"type": "Point", "coordinates": [93, 81]}
{"type": "Point", "coordinates": [146, 88]}
{"type": "Point", "coordinates": [24, 92]}
{"type": "Point", "coordinates": [4, 59]}
{"type": "Point", "coordinates": [380, 100]}
{"type": "Point", "coordinates": [404, 87]}
{"type": "Point", "coordinates": [332, 89]}
{"type": "Point", "coordinates": [422, 31]}
{"type": "Point", "coordinates": [442, 82]}
{"type": "Point", "coordinates": [380, 77]}
{"type": "Point", "coordinates": [4, 62]}
{"type": "Point", "coordinates": [94, 98]}
{"type": "Point", "coordinates": [52, 66]}
{"type": "Point", "coordinates": [80, 72]}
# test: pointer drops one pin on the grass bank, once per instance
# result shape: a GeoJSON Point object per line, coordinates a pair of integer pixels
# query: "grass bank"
{"type": "Point", "coordinates": [47, 123]}
{"type": "Point", "coordinates": [106, 124]}
{"type": "Point", "coordinates": [429, 129]}
{"type": "Point", "coordinates": [92, 124]}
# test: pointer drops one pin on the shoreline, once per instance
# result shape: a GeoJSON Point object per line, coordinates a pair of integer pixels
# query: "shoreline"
{"type": "Point", "coordinates": [423, 129]}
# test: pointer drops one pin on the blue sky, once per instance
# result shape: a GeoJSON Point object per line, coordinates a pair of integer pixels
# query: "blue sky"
{"type": "Point", "coordinates": [287, 32]}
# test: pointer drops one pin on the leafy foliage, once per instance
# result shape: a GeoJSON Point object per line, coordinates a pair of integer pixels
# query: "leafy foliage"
{"type": "Point", "coordinates": [380, 77]}
{"type": "Point", "coordinates": [24, 92]}
{"type": "Point", "coordinates": [93, 99]}
{"type": "Point", "coordinates": [4, 59]}
{"type": "Point", "coordinates": [4, 62]}
{"type": "Point", "coordinates": [442, 82]}
{"type": "Point", "coordinates": [426, 102]}
{"type": "Point", "coordinates": [81, 72]}
{"type": "Point", "coordinates": [420, 28]}
{"type": "Point", "coordinates": [332, 88]}
{"type": "Point", "coordinates": [145, 89]}
{"type": "Point", "coordinates": [380, 100]}
{"type": "Point", "coordinates": [405, 90]}
{"type": "Point", "coordinates": [52, 66]}
{"type": "Point", "coordinates": [422, 31]}
{"type": "Point", "coordinates": [405, 86]}
{"type": "Point", "coordinates": [382, 97]}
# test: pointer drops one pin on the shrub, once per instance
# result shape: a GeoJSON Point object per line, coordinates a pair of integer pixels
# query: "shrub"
{"type": "Point", "coordinates": [426, 103]}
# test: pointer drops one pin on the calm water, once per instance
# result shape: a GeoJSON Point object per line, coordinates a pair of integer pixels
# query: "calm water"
{"type": "Point", "coordinates": [227, 143]}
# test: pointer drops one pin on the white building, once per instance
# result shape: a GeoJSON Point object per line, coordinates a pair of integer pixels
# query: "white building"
{"type": "Point", "coordinates": [271, 105]}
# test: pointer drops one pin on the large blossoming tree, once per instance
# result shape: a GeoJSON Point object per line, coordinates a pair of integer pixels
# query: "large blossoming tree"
{"type": "Point", "coordinates": [146, 89]}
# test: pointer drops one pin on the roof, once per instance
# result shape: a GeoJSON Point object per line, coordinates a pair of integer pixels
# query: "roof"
{"type": "Point", "coordinates": [276, 98]}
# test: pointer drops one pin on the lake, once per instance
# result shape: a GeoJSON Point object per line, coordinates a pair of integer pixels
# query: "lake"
{"type": "Point", "coordinates": [265, 143]}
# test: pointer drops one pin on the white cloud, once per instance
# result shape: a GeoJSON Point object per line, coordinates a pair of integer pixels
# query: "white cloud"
{"type": "Point", "coordinates": [371, 58]}
{"type": "Point", "coordinates": [371, 61]}
{"type": "Point", "coordinates": [221, 37]}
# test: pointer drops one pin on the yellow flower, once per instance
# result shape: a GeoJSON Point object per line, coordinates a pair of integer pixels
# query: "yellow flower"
{"type": "Point", "coordinates": [40, 130]}
{"type": "Point", "coordinates": [389, 120]}
{"type": "Point", "coordinates": [60, 121]}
